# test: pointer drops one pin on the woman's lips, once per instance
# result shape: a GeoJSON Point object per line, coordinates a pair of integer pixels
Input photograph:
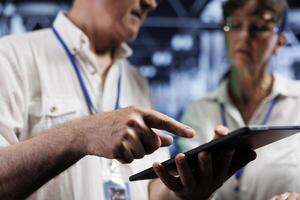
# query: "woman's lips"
{"type": "Point", "coordinates": [243, 51]}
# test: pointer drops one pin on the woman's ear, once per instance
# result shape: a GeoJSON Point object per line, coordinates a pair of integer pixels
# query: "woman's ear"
{"type": "Point", "coordinates": [281, 41]}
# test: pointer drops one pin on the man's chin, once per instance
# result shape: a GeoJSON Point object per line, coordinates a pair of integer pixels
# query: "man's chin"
{"type": "Point", "coordinates": [132, 35]}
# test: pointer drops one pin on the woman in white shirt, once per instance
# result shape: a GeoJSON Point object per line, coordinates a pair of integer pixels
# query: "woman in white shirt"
{"type": "Point", "coordinates": [252, 95]}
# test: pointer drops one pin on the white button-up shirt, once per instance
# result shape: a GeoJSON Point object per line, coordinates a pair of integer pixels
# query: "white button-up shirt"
{"type": "Point", "coordinates": [277, 168]}
{"type": "Point", "coordinates": [39, 89]}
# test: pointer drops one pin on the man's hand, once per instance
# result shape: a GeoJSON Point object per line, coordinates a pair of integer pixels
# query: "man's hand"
{"type": "Point", "coordinates": [126, 134]}
{"type": "Point", "coordinates": [213, 170]}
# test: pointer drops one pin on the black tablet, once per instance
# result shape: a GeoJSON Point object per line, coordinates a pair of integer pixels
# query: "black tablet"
{"type": "Point", "coordinates": [251, 137]}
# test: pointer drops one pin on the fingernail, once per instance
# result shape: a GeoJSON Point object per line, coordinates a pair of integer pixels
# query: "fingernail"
{"type": "Point", "coordinates": [222, 129]}
{"type": "Point", "coordinates": [190, 132]}
{"type": "Point", "coordinates": [180, 158]}
{"type": "Point", "coordinates": [156, 167]}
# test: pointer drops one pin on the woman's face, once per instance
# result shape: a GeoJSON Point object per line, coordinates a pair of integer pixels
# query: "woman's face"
{"type": "Point", "coordinates": [252, 39]}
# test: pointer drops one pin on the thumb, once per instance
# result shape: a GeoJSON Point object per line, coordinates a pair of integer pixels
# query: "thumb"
{"type": "Point", "coordinates": [166, 140]}
{"type": "Point", "coordinates": [220, 131]}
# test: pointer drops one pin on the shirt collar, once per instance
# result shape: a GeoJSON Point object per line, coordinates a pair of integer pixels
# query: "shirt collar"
{"type": "Point", "coordinates": [220, 94]}
{"type": "Point", "coordinates": [76, 39]}
{"type": "Point", "coordinates": [285, 87]}
{"type": "Point", "coordinates": [282, 86]}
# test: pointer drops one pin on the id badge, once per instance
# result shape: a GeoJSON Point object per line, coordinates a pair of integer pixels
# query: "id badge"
{"type": "Point", "coordinates": [115, 187]}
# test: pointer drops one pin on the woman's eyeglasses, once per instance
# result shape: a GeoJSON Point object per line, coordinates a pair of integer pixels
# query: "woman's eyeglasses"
{"type": "Point", "coordinates": [254, 28]}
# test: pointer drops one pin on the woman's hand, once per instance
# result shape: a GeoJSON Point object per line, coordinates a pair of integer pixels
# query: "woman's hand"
{"type": "Point", "coordinates": [212, 171]}
{"type": "Point", "coordinates": [287, 196]}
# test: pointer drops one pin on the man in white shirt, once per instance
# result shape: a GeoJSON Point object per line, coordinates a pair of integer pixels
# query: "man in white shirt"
{"type": "Point", "coordinates": [50, 77]}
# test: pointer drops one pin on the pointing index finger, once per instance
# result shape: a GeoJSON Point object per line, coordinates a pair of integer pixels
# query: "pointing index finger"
{"type": "Point", "coordinates": [155, 119]}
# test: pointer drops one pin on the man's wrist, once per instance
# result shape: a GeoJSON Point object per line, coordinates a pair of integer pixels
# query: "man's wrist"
{"type": "Point", "coordinates": [72, 138]}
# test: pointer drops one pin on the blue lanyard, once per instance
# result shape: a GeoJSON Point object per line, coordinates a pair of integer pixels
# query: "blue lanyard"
{"type": "Point", "coordinates": [239, 173]}
{"type": "Point", "coordinates": [264, 121]}
{"type": "Point", "coordinates": [91, 106]}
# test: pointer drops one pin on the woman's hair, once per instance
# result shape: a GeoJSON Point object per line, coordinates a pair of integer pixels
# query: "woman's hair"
{"type": "Point", "coordinates": [278, 8]}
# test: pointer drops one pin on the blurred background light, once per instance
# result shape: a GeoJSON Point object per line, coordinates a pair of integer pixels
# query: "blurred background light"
{"type": "Point", "coordinates": [148, 71]}
{"type": "Point", "coordinates": [162, 58]}
{"type": "Point", "coordinates": [180, 49]}
{"type": "Point", "coordinates": [182, 42]}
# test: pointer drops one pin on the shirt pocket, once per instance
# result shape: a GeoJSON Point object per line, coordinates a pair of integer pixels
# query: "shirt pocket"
{"type": "Point", "coordinates": [53, 112]}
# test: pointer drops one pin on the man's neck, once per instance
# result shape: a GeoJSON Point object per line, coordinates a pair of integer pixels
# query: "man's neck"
{"type": "Point", "coordinates": [105, 62]}
{"type": "Point", "coordinates": [104, 58]}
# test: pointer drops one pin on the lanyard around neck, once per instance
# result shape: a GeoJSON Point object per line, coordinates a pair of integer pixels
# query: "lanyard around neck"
{"type": "Point", "coordinates": [91, 106]}
{"type": "Point", "coordinates": [239, 173]}
{"type": "Point", "coordinates": [265, 119]}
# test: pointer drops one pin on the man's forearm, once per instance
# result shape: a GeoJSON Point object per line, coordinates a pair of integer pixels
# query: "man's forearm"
{"type": "Point", "coordinates": [28, 165]}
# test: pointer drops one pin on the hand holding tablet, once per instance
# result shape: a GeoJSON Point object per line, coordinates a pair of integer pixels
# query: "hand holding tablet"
{"type": "Point", "coordinates": [242, 141]}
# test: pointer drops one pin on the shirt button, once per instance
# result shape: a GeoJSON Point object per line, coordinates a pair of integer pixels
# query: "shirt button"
{"type": "Point", "coordinates": [53, 109]}
{"type": "Point", "coordinates": [75, 51]}
{"type": "Point", "coordinates": [82, 40]}
{"type": "Point", "coordinates": [94, 72]}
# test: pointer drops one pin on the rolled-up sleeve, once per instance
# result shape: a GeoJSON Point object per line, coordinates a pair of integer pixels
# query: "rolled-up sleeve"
{"type": "Point", "coordinates": [12, 102]}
